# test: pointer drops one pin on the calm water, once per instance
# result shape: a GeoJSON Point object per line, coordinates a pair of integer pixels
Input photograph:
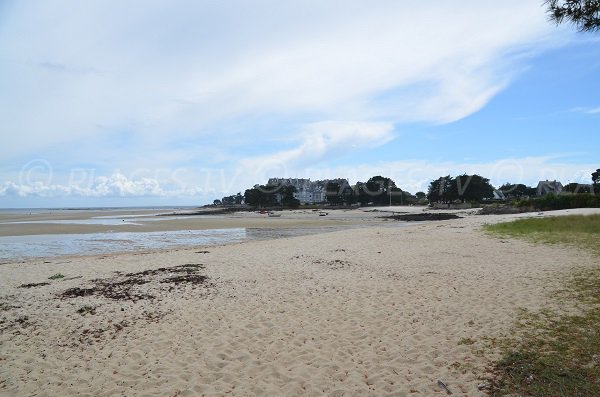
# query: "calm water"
{"type": "Point", "coordinates": [55, 245]}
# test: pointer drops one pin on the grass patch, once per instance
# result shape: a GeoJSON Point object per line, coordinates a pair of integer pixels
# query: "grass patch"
{"type": "Point", "coordinates": [558, 354]}
{"type": "Point", "coordinates": [576, 230]}
{"type": "Point", "coordinates": [56, 276]}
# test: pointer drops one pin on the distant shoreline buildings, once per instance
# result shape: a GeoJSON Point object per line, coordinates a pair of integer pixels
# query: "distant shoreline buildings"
{"type": "Point", "coordinates": [379, 190]}
{"type": "Point", "coordinates": [311, 192]}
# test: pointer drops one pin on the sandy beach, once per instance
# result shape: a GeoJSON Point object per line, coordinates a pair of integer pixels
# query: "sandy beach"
{"type": "Point", "coordinates": [381, 311]}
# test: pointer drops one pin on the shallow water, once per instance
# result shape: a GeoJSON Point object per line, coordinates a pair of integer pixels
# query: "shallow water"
{"type": "Point", "coordinates": [55, 245]}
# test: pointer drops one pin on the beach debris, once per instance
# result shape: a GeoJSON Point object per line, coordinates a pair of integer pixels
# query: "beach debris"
{"type": "Point", "coordinates": [16, 322]}
{"type": "Point", "coordinates": [4, 306]}
{"type": "Point", "coordinates": [56, 276]}
{"type": "Point", "coordinates": [187, 268]}
{"type": "Point", "coordinates": [500, 210]}
{"type": "Point", "coordinates": [425, 216]}
{"type": "Point", "coordinates": [335, 264]}
{"type": "Point", "coordinates": [72, 278]}
{"type": "Point", "coordinates": [32, 285]}
{"type": "Point", "coordinates": [86, 309]}
{"type": "Point", "coordinates": [90, 335]}
{"type": "Point", "coordinates": [126, 286]}
{"type": "Point", "coordinates": [186, 278]}
{"type": "Point", "coordinates": [203, 252]}
{"type": "Point", "coordinates": [443, 386]}
{"type": "Point", "coordinates": [122, 290]}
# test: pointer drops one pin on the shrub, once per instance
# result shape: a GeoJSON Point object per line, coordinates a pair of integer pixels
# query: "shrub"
{"type": "Point", "coordinates": [560, 202]}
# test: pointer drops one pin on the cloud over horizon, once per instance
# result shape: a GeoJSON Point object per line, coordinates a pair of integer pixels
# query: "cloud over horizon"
{"type": "Point", "coordinates": [185, 87]}
{"type": "Point", "coordinates": [410, 175]}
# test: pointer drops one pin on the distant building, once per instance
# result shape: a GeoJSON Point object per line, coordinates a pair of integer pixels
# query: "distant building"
{"type": "Point", "coordinates": [307, 191]}
{"type": "Point", "coordinates": [499, 195]}
{"type": "Point", "coordinates": [547, 187]}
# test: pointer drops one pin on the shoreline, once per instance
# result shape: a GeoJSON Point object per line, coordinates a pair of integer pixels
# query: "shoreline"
{"type": "Point", "coordinates": [95, 233]}
{"type": "Point", "coordinates": [368, 311]}
{"type": "Point", "coordinates": [294, 223]}
{"type": "Point", "coordinates": [98, 222]}
{"type": "Point", "coordinates": [277, 233]}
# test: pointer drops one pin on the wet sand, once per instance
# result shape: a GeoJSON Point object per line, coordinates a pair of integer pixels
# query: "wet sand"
{"type": "Point", "coordinates": [124, 221]}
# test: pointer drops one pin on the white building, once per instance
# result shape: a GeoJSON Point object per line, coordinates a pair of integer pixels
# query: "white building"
{"type": "Point", "coordinates": [307, 191]}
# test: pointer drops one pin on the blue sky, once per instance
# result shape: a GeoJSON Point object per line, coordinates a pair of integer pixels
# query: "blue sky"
{"type": "Point", "coordinates": [178, 102]}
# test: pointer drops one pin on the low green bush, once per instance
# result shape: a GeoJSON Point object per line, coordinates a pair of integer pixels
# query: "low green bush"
{"type": "Point", "coordinates": [563, 201]}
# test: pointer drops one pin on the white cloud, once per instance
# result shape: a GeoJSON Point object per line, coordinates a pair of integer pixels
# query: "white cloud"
{"type": "Point", "coordinates": [320, 141]}
{"type": "Point", "coordinates": [168, 71]}
{"type": "Point", "coordinates": [587, 110]}
{"type": "Point", "coordinates": [203, 187]}
{"type": "Point", "coordinates": [193, 99]}
{"type": "Point", "coordinates": [116, 185]}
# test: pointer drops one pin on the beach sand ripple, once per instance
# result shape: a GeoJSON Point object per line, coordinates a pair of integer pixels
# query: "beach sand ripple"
{"type": "Point", "coordinates": [363, 312]}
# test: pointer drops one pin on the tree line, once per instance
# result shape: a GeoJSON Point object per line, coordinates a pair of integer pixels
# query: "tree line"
{"type": "Point", "coordinates": [379, 191]}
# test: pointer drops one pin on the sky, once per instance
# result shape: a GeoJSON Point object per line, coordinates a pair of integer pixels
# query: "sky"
{"type": "Point", "coordinates": [140, 103]}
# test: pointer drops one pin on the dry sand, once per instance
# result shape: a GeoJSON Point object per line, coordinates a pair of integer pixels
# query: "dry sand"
{"type": "Point", "coordinates": [372, 311]}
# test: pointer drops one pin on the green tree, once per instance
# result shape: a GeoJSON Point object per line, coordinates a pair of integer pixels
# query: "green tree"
{"type": "Point", "coordinates": [228, 200]}
{"type": "Point", "coordinates": [464, 187]}
{"type": "Point", "coordinates": [333, 192]}
{"type": "Point", "coordinates": [574, 187]}
{"type": "Point", "coordinates": [584, 14]}
{"type": "Point", "coordinates": [261, 196]}
{"type": "Point", "coordinates": [472, 188]}
{"type": "Point", "coordinates": [518, 190]}
{"type": "Point", "coordinates": [400, 197]}
{"type": "Point", "coordinates": [286, 196]}
{"type": "Point", "coordinates": [377, 190]}
{"type": "Point", "coordinates": [239, 198]}
{"type": "Point", "coordinates": [348, 196]}
{"type": "Point", "coordinates": [252, 197]}
{"type": "Point", "coordinates": [421, 195]}
{"type": "Point", "coordinates": [440, 190]}
{"type": "Point", "coordinates": [596, 180]}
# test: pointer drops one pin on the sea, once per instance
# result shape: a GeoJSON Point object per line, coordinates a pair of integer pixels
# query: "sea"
{"type": "Point", "coordinates": [28, 247]}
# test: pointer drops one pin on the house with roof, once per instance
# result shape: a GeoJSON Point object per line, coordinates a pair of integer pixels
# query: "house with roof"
{"type": "Point", "coordinates": [307, 191]}
{"type": "Point", "coordinates": [549, 187]}
{"type": "Point", "coordinates": [499, 195]}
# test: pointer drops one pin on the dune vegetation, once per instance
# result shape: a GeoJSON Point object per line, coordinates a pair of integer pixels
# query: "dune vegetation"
{"type": "Point", "coordinates": [556, 354]}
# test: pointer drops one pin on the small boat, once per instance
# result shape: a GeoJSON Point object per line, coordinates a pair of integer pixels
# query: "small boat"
{"type": "Point", "coordinates": [274, 215]}
{"type": "Point", "coordinates": [323, 214]}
